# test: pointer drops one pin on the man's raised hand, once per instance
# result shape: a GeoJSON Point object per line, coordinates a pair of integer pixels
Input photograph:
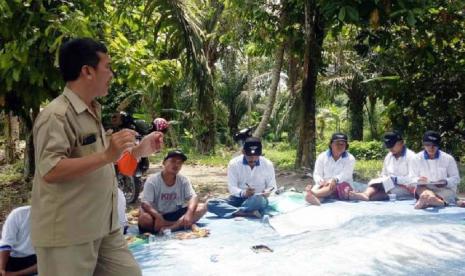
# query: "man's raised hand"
{"type": "Point", "coordinates": [120, 141]}
{"type": "Point", "coordinates": [149, 144]}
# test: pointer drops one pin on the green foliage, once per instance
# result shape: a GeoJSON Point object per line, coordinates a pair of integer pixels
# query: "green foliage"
{"type": "Point", "coordinates": [372, 150]}
{"type": "Point", "coordinates": [31, 33]}
{"type": "Point", "coordinates": [424, 63]}
{"type": "Point", "coordinates": [367, 169]}
{"type": "Point", "coordinates": [14, 190]}
{"type": "Point", "coordinates": [11, 173]}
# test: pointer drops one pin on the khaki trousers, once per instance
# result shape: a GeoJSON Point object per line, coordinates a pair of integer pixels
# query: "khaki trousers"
{"type": "Point", "coordinates": [106, 256]}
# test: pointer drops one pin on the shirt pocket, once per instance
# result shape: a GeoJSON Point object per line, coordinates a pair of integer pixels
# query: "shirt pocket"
{"type": "Point", "coordinates": [87, 146]}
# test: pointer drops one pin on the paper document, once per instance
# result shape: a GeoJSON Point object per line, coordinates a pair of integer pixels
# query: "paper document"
{"type": "Point", "coordinates": [386, 181]}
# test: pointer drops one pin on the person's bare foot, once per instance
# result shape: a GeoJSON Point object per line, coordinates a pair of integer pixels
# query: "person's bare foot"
{"type": "Point", "coordinates": [145, 206]}
{"type": "Point", "coordinates": [310, 197]}
{"type": "Point", "coordinates": [461, 203]}
{"type": "Point", "coordinates": [358, 196]}
{"type": "Point", "coordinates": [421, 204]}
{"type": "Point", "coordinates": [435, 201]}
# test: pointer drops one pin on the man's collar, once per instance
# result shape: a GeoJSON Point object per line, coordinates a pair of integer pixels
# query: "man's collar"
{"type": "Point", "coordinates": [244, 161]}
{"type": "Point", "coordinates": [404, 151]}
{"type": "Point", "coordinates": [78, 104]}
{"type": "Point", "coordinates": [426, 155]}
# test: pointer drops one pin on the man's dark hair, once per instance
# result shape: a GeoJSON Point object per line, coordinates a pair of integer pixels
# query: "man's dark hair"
{"type": "Point", "coordinates": [76, 53]}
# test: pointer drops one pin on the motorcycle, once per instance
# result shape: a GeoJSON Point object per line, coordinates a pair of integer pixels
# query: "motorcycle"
{"type": "Point", "coordinates": [242, 135]}
{"type": "Point", "coordinates": [132, 185]}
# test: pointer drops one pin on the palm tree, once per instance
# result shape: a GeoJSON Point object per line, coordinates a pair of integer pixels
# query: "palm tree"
{"type": "Point", "coordinates": [185, 19]}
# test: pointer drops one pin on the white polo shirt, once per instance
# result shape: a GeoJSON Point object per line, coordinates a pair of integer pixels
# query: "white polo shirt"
{"type": "Point", "coordinates": [123, 220]}
{"type": "Point", "coordinates": [443, 166]}
{"type": "Point", "coordinates": [326, 168]}
{"type": "Point", "coordinates": [16, 233]}
{"type": "Point", "coordinates": [398, 167]}
{"type": "Point", "coordinates": [261, 177]}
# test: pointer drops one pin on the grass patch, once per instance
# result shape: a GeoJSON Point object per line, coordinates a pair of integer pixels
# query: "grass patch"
{"type": "Point", "coordinates": [219, 159]}
{"type": "Point", "coordinates": [15, 191]}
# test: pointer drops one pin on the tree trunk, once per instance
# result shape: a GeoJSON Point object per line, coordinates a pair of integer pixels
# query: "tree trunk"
{"type": "Point", "coordinates": [276, 73]}
{"type": "Point", "coordinates": [314, 35]}
{"type": "Point", "coordinates": [372, 120]}
{"type": "Point", "coordinates": [29, 161]}
{"type": "Point", "coordinates": [355, 104]}
{"type": "Point", "coordinates": [167, 102]}
{"type": "Point", "coordinates": [206, 127]}
{"type": "Point", "coordinates": [12, 137]}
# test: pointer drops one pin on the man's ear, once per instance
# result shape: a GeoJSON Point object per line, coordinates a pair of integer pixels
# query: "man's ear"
{"type": "Point", "coordinates": [86, 72]}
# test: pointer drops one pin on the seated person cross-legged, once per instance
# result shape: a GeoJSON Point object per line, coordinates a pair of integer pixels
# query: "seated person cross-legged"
{"type": "Point", "coordinates": [333, 172]}
{"type": "Point", "coordinates": [169, 201]}
{"type": "Point", "coordinates": [17, 256]}
{"type": "Point", "coordinates": [435, 174]}
{"type": "Point", "coordinates": [251, 178]}
{"type": "Point", "coordinates": [395, 174]}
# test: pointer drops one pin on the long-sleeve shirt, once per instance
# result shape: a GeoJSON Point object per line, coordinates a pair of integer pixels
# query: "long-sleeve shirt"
{"type": "Point", "coordinates": [442, 167]}
{"type": "Point", "coordinates": [398, 167]}
{"type": "Point", "coordinates": [260, 178]}
{"type": "Point", "coordinates": [326, 168]}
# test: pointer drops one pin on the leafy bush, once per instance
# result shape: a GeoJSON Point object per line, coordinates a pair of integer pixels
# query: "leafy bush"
{"type": "Point", "coordinates": [367, 169]}
{"type": "Point", "coordinates": [373, 150]}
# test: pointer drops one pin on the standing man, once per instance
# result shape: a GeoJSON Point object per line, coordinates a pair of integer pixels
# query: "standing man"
{"type": "Point", "coordinates": [251, 179]}
{"type": "Point", "coordinates": [74, 217]}
{"type": "Point", "coordinates": [395, 174]}
{"type": "Point", "coordinates": [333, 172]}
{"type": "Point", "coordinates": [435, 173]}
{"type": "Point", "coordinates": [169, 200]}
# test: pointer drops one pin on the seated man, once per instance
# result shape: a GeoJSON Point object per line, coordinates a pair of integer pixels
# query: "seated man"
{"type": "Point", "coordinates": [123, 219]}
{"type": "Point", "coordinates": [333, 172]}
{"type": "Point", "coordinates": [17, 256]}
{"type": "Point", "coordinates": [435, 173]}
{"type": "Point", "coordinates": [169, 201]}
{"type": "Point", "coordinates": [251, 179]}
{"type": "Point", "coordinates": [395, 174]}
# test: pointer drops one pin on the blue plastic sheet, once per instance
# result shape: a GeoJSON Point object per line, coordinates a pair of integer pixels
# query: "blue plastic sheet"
{"type": "Point", "coordinates": [372, 238]}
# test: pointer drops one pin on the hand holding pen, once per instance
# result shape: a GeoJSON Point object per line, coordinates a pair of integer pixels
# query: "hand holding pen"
{"type": "Point", "coordinates": [249, 191]}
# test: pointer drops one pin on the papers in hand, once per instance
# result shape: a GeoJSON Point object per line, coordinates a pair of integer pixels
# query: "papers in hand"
{"type": "Point", "coordinates": [386, 181]}
{"type": "Point", "coordinates": [439, 182]}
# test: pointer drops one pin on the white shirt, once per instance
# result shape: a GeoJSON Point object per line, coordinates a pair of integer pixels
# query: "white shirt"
{"type": "Point", "coordinates": [326, 168]}
{"type": "Point", "coordinates": [442, 167]}
{"type": "Point", "coordinates": [398, 167]}
{"type": "Point", "coordinates": [261, 177]}
{"type": "Point", "coordinates": [16, 233]}
{"type": "Point", "coordinates": [123, 220]}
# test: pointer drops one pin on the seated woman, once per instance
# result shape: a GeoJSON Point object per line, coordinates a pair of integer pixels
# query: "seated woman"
{"type": "Point", "coordinates": [169, 201]}
{"type": "Point", "coordinates": [333, 172]}
{"type": "Point", "coordinates": [435, 173]}
{"type": "Point", "coordinates": [395, 174]}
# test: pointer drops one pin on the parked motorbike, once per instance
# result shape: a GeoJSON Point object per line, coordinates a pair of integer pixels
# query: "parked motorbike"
{"type": "Point", "coordinates": [132, 185]}
{"type": "Point", "coordinates": [242, 135]}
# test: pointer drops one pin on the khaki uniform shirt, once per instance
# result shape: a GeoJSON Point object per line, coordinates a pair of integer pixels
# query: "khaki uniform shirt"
{"type": "Point", "coordinates": [85, 208]}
